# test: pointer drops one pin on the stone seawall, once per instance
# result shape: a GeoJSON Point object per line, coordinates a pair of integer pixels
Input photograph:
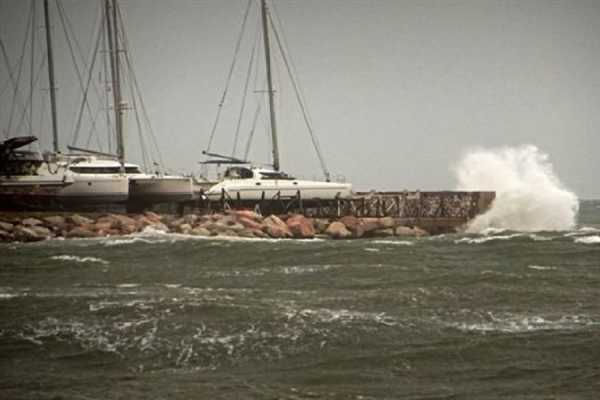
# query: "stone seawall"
{"type": "Point", "coordinates": [29, 227]}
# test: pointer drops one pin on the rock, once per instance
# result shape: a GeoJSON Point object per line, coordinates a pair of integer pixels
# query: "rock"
{"type": "Point", "coordinates": [248, 214]}
{"type": "Point", "coordinates": [369, 224]}
{"type": "Point", "coordinates": [125, 224]}
{"type": "Point", "coordinates": [55, 221]}
{"type": "Point", "coordinates": [301, 227]}
{"type": "Point", "coordinates": [5, 236]}
{"type": "Point", "coordinates": [228, 233]}
{"type": "Point", "coordinates": [404, 231]}
{"type": "Point", "coordinates": [387, 232]}
{"type": "Point", "coordinates": [247, 233]}
{"type": "Point", "coordinates": [108, 220]}
{"type": "Point", "coordinates": [190, 219]}
{"type": "Point", "coordinates": [351, 222]}
{"type": "Point", "coordinates": [320, 224]}
{"type": "Point", "coordinates": [6, 226]}
{"type": "Point", "coordinates": [354, 225]}
{"type": "Point", "coordinates": [31, 222]}
{"type": "Point", "coordinates": [387, 222]}
{"type": "Point", "coordinates": [276, 228]}
{"type": "Point", "coordinates": [337, 230]}
{"type": "Point", "coordinates": [42, 231]}
{"type": "Point", "coordinates": [79, 220]}
{"type": "Point", "coordinates": [102, 226]}
{"type": "Point", "coordinates": [184, 228]}
{"type": "Point", "coordinates": [199, 231]}
{"type": "Point", "coordinates": [420, 232]}
{"type": "Point", "coordinates": [27, 234]}
{"type": "Point", "coordinates": [249, 223]}
{"type": "Point", "coordinates": [259, 233]}
{"type": "Point", "coordinates": [152, 216]}
{"type": "Point", "coordinates": [159, 226]}
{"type": "Point", "coordinates": [79, 232]}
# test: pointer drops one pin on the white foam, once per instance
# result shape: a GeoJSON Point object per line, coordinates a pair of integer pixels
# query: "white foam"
{"type": "Point", "coordinates": [584, 230]}
{"type": "Point", "coordinates": [588, 240]}
{"type": "Point", "coordinates": [519, 324]}
{"type": "Point", "coordinates": [67, 257]}
{"type": "Point", "coordinates": [485, 239]}
{"type": "Point", "coordinates": [372, 250]}
{"type": "Point", "coordinates": [395, 242]}
{"type": "Point", "coordinates": [540, 267]}
{"type": "Point", "coordinates": [529, 195]}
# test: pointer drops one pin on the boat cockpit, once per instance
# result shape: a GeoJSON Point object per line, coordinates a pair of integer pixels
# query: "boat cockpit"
{"type": "Point", "coordinates": [248, 173]}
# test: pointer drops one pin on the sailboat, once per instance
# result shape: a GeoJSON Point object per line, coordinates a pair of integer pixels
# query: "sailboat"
{"type": "Point", "coordinates": [50, 181]}
{"type": "Point", "coordinates": [109, 177]}
{"type": "Point", "coordinates": [249, 182]}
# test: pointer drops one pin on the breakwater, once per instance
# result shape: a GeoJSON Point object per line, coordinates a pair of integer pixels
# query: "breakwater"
{"type": "Point", "coordinates": [29, 227]}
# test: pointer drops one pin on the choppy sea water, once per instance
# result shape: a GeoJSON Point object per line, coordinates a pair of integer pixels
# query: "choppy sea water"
{"type": "Point", "coordinates": [496, 315]}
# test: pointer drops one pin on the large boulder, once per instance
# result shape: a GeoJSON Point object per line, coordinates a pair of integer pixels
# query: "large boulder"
{"type": "Point", "coordinates": [159, 226]}
{"type": "Point", "coordinates": [6, 226]}
{"type": "Point", "coordinates": [80, 232]}
{"type": "Point", "coordinates": [27, 234]}
{"type": "Point", "coordinates": [354, 225]}
{"type": "Point", "coordinates": [276, 228]}
{"type": "Point", "coordinates": [301, 227]}
{"type": "Point", "coordinates": [125, 224]}
{"type": "Point", "coordinates": [249, 223]}
{"type": "Point", "coordinates": [5, 236]}
{"type": "Point", "coordinates": [199, 231]}
{"type": "Point", "coordinates": [420, 232]}
{"type": "Point", "coordinates": [369, 224]}
{"type": "Point", "coordinates": [55, 221]}
{"type": "Point", "coordinates": [42, 231]}
{"type": "Point", "coordinates": [152, 216]}
{"type": "Point", "coordinates": [184, 228]}
{"type": "Point", "coordinates": [80, 220]}
{"type": "Point", "coordinates": [190, 219]}
{"type": "Point", "coordinates": [404, 231]}
{"type": "Point", "coordinates": [337, 230]}
{"type": "Point", "coordinates": [386, 232]}
{"type": "Point", "coordinates": [246, 214]}
{"type": "Point", "coordinates": [31, 222]}
{"type": "Point", "coordinates": [320, 224]}
{"type": "Point", "coordinates": [387, 222]}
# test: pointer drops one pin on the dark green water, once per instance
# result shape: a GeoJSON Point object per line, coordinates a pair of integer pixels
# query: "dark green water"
{"type": "Point", "coordinates": [506, 315]}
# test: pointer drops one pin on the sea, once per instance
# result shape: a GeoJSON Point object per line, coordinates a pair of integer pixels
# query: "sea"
{"type": "Point", "coordinates": [490, 315]}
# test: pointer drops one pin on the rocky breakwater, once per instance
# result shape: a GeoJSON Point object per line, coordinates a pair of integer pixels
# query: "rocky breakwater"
{"type": "Point", "coordinates": [246, 224]}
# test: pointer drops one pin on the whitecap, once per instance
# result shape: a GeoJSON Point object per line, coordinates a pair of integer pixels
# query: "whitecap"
{"type": "Point", "coordinates": [372, 250]}
{"type": "Point", "coordinates": [67, 257]}
{"type": "Point", "coordinates": [395, 242]}
{"type": "Point", "coordinates": [588, 240]}
{"type": "Point", "coordinates": [480, 240]}
{"type": "Point", "coordinates": [128, 285]}
{"type": "Point", "coordinates": [540, 267]}
{"type": "Point", "coordinates": [584, 230]}
{"type": "Point", "coordinates": [519, 324]}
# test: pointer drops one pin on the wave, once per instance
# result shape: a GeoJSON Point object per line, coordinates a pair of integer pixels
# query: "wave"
{"type": "Point", "coordinates": [588, 240]}
{"type": "Point", "coordinates": [67, 257]}
{"type": "Point", "coordinates": [519, 324]}
{"type": "Point", "coordinates": [395, 242]}
{"type": "Point", "coordinates": [529, 195]}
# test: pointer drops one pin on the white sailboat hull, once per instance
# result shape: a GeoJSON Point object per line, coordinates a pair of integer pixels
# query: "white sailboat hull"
{"type": "Point", "coordinates": [251, 189]}
{"type": "Point", "coordinates": [159, 189]}
{"type": "Point", "coordinates": [95, 189]}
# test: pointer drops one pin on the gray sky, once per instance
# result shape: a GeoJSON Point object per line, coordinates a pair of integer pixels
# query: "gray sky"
{"type": "Point", "coordinates": [397, 90]}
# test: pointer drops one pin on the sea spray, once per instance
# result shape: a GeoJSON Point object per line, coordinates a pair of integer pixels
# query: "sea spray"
{"type": "Point", "coordinates": [529, 195]}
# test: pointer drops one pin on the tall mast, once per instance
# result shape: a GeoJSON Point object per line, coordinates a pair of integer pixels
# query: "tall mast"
{"type": "Point", "coordinates": [112, 30]}
{"type": "Point", "coordinates": [265, 24]}
{"type": "Point", "coordinates": [51, 78]}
